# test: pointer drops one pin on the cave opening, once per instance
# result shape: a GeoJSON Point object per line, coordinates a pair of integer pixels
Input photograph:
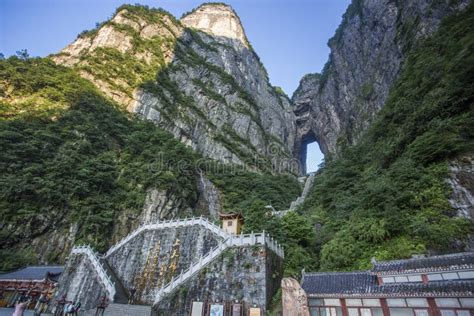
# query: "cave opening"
{"type": "Point", "coordinates": [311, 155]}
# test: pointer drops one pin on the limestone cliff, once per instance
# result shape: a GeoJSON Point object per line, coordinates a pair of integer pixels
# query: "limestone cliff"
{"type": "Point", "coordinates": [367, 53]}
{"type": "Point", "coordinates": [198, 78]}
{"type": "Point", "coordinates": [218, 20]}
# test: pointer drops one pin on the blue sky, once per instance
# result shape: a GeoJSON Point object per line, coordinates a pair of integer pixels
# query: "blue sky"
{"type": "Point", "coordinates": [290, 36]}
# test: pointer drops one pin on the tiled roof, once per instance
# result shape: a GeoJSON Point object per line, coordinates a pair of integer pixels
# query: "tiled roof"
{"type": "Point", "coordinates": [33, 273]}
{"type": "Point", "coordinates": [338, 282]}
{"type": "Point", "coordinates": [440, 263]}
{"type": "Point", "coordinates": [364, 284]}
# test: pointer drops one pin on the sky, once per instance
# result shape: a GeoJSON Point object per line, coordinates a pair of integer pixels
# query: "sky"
{"type": "Point", "coordinates": [290, 36]}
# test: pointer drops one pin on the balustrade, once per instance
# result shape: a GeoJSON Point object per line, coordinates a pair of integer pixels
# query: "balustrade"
{"type": "Point", "coordinates": [228, 241]}
{"type": "Point", "coordinates": [93, 258]}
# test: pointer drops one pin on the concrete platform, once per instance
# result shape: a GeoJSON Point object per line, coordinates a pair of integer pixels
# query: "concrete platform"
{"type": "Point", "coordinates": [9, 312]}
{"type": "Point", "coordinates": [122, 310]}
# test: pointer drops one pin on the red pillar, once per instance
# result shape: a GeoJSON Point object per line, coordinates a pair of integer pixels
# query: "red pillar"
{"type": "Point", "coordinates": [433, 308]}
{"type": "Point", "coordinates": [344, 307]}
{"type": "Point", "coordinates": [385, 309]}
{"type": "Point", "coordinates": [424, 278]}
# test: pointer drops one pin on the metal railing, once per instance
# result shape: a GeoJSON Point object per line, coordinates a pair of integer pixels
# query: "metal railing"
{"type": "Point", "coordinates": [94, 259]}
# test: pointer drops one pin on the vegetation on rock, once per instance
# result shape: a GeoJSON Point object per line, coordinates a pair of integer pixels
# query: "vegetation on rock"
{"type": "Point", "coordinates": [71, 157]}
{"type": "Point", "coordinates": [386, 197]}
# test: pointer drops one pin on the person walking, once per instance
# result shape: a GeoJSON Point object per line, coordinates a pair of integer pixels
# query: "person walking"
{"type": "Point", "coordinates": [103, 303]}
{"type": "Point", "coordinates": [76, 307]}
{"type": "Point", "coordinates": [60, 306]}
{"type": "Point", "coordinates": [133, 290]}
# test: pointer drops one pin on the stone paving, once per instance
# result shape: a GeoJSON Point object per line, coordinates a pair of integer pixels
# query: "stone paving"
{"type": "Point", "coordinates": [9, 312]}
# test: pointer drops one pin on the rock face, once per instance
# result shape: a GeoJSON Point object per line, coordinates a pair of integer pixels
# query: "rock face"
{"type": "Point", "coordinates": [294, 300]}
{"type": "Point", "coordinates": [367, 53]}
{"type": "Point", "coordinates": [216, 97]}
{"type": "Point", "coordinates": [461, 181]}
{"type": "Point", "coordinates": [197, 78]}
{"type": "Point", "coordinates": [123, 52]}
{"type": "Point", "coordinates": [159, 205]}
{"type": "Point", "coordinates": [210, 199]}
{"type": "Point", "coordinates": [218, 20]}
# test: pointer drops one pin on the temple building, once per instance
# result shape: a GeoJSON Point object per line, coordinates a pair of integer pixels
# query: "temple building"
{"type": "Point", "coordinates": [437, 285]}
{"type": "Point", "coordinates": [232, 222]}
{"type": "Point", "coordinates": [32, 282]}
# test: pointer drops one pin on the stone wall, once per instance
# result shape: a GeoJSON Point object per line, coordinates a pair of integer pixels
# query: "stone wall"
{"type": "Point", "coordinates": [167, 251]}
{"type": "Point", "coordinates": [79, 281]}
{"type": "Point", "coordinates": [250, 275]}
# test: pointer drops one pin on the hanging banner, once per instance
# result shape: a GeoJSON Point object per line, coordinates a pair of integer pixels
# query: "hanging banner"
{"type": "Point", "coordinates": [197, 309]}
{"type": "Point", "coordinates": [216, 310]}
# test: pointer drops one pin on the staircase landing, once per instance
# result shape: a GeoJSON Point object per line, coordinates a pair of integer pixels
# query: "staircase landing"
{"type": "Point", "coordinates": [122, 310]}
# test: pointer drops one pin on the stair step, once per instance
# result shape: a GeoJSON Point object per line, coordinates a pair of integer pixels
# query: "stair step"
{"type": "Point", "coordinates": [121, 295]}
{"type": "Point", "coordinates": [122, 310]}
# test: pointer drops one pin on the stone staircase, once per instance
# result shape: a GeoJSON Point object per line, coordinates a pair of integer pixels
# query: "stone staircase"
{"type": "Point", "coordinates": [104, 278]}
{"type": "Point", "coordinates": [203, 261]}
{"type": "Point", "coordinates": [122, 310]}
{"type": "Point", "coordinates": [116, 291]}
{"type": "Point", "coordinates": [299, 200]}
{"type": "Point", "coordinates": [119, 294]}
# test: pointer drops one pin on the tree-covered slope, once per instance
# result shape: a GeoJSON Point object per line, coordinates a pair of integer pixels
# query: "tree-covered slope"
{"type": "Point", "coordinates": [76, 168]}
{"type": "Point", "coordinates": [83, 165]}
{"type": "Point", "coordinates": [387, 196]}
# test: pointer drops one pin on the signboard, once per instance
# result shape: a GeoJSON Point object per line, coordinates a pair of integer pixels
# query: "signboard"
{"type": "Point", "coordinates": [236, 310]}
{"type": "Point", "coordinates": [216, 310]}
{"type": "Point", "coordinates": [254, 311]}
{"type": "Point", "coordinates": [197, 309]}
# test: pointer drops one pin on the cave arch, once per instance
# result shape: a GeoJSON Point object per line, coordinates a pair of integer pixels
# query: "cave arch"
{"type": "Point", "coordinates": [310, 153]}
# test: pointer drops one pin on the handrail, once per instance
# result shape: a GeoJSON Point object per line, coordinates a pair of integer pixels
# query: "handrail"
{"type": "Point", "coordinates": [204, 260]}
{"type": "Point", "coordinates": [228, 241]}
{"type": "Point", "coordinates": [231, 241]}
{"type": "Point", "coordinates": [104, 277]}
{"type": "Point", "coordinates": [202, 221]}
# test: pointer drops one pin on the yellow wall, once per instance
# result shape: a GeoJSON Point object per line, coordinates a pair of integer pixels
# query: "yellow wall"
{"type": "Point", "coordinates": [232, 226]}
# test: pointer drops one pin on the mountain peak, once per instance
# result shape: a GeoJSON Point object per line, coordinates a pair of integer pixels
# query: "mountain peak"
{"type": "Point", "coordinates": [218, 19]}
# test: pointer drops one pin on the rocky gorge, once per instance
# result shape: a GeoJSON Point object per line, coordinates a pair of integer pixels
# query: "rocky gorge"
{"type": "Point", "coordinates": [367, 53]}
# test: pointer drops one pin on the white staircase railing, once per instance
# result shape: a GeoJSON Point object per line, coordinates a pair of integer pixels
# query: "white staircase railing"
{"type": "Point", "coordinates": [231, 241]}
{"type": "Point", "coordinates": [169, 224]}
{"type": "Point", "coordinates": [228, 241]}
{"type": "Point", "coordinates": [94, 259]}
